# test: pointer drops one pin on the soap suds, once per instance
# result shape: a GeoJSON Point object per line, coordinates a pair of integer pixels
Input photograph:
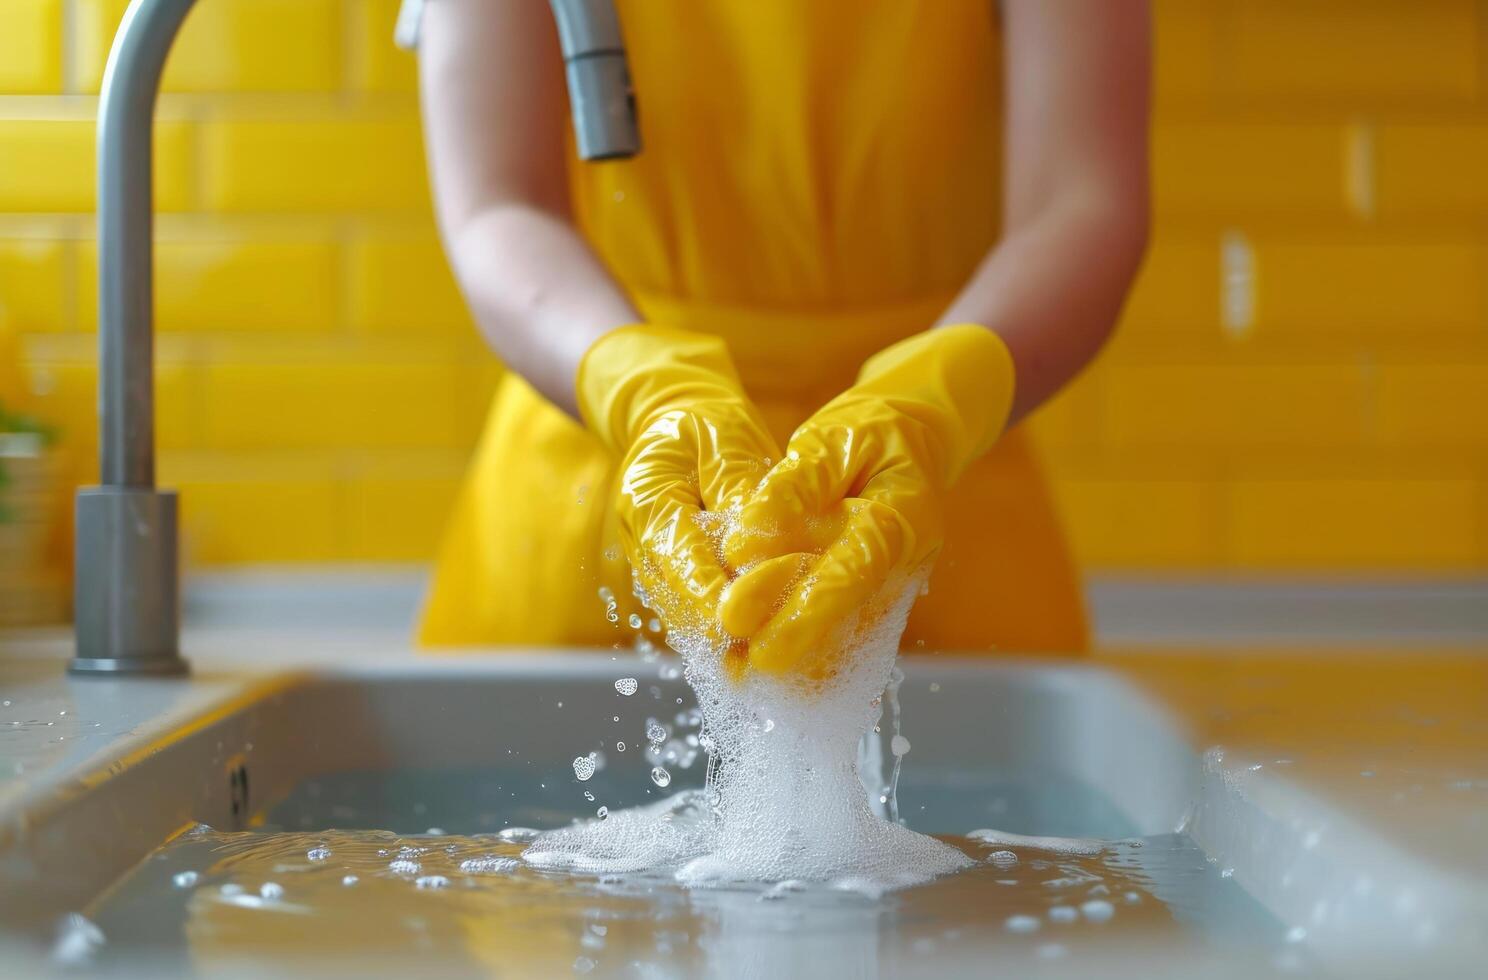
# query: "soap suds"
{"type": "Point", "coordinates": [783, 799]}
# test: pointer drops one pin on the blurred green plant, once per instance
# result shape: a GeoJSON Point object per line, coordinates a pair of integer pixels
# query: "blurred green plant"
{"type": "Point", "coordinates": [22, 424]}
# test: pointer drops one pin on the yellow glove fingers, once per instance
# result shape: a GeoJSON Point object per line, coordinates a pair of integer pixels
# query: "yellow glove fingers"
{"type": "Point", "coordinates": [804, 637]}
{"type": "Point", "coordinates": [786, 512]}
{"type": "Point", "coordinates": [752, 598]}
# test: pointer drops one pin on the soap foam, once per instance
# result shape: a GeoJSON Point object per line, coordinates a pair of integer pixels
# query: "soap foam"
{"type": "Point", "coordinates": [782, 799]}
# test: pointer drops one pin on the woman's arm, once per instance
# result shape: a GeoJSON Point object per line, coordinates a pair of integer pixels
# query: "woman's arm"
{"type": "Point", "coordinates": [494, 113]}
{"type": "Point", "coordinates": [1075, 199]}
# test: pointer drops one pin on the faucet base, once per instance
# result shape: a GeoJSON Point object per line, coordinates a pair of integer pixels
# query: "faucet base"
{"type": "Point", "coordinates": [126, 606]}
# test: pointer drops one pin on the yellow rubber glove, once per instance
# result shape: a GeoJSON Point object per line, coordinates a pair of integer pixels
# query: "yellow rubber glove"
{"type": "Point", "coordinates": [853, 511]}
{"type": "Point", "coordinates": [669, 405]}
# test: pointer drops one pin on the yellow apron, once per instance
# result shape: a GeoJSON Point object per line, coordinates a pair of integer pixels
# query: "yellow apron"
{"type": "Point", "coordinates": [818, 180]}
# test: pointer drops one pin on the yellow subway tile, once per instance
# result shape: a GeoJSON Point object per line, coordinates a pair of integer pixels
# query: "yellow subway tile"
{"type": "Point", "coordinates": [330, 164]}
{"type": "Point", "coordinates": [1245, 168]}
{"type": "Point", "coordinates": [1176, 290]}
{"type": "Point", "coordinates": [31, 46]}
{"type": "Point", "coordinates": [238, 518]}
{"type": "Point", "coordinates": [404, 285]}
{"type": "Point", "coordinates": [1206, 405]}
{"type": "Point", "coordinates": [1070, 418]}
{"type": "Point", "coordinates": [1350, 49]}
{"type": "Point", "coordinates": [331, 404]}
{"type": "Point", "coordinates": [378, 65]}
{"type": "Point", "coordinates": [1128, 524]}
{"type": "Point", "coordinates": [231, 284]}
{"type": "Point", "coordinates": [66, 394]}
{"type": "Point", "coordinates": [230, 46]}
{"type": "Point", "coordinates": [33, 284]}
{"type": "Point", "coordinates": [1183, 49]}
{"type": "Point", "coordinates": [48, 165]}
{"type": "Point", "coordinates": [1355, 524]}
{"type": "Point", "coordinates": [399, 519]}
{"type": "Point", "coordinates": [1433, 169]}
{"type": "Point", "coordinates": [1434, 404]}
{"type": "Point", "coordinates": [1369, 286]}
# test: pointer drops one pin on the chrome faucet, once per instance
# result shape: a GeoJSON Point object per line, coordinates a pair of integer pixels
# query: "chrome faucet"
{"type": "Point", "coordinates": [127, 590]}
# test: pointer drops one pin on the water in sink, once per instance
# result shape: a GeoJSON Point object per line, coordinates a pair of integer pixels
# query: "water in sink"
{"type": "Point", "coordinates": [343, 872]}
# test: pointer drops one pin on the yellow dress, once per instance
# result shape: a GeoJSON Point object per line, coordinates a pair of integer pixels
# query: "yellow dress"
{"type": "Point", "coordinates": [818, 180]}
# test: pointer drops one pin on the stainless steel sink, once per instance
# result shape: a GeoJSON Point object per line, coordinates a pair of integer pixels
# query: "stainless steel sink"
{"type": "Point", "coordinates": [470, 747]}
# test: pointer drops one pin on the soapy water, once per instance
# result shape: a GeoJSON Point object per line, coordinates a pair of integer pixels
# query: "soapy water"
{"type": "Point", "coordinates": [461, 904]}
{"type": "Point", "coordinates": [783, 797]}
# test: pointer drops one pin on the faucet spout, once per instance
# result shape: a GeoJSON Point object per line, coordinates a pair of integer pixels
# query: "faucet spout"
{"type": "Point", "coordinates": [126, 607]}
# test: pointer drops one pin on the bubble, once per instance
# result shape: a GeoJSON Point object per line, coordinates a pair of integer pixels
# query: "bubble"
{"type": "Point", "coordinates": [583, 965]}
{"type": "Point", "coordinates": [520, 835]}
{"type": "Point", "coordinates": [271, 891]}
{"type": "Point", "coordinates": [634, 621]}
{"type": "Point", "coordinates": [185, 879]}
{"type": "Point", "coordinates": [654, 625]}
{"type": "Point", "coordinates": [1098, 910]}
{"type": "Point", "coordinates": [583, 767]}
{"type": "Point", "coordinates": [489, 865]}
{"type": "Point", "coordinates": [404, 866]}
{"type": "Point", "coordinates": [349, 880]}
{"type": "Point", "coordinates": [432, 882]}
{"type": "Point", "coordinates": [899, 745]}
{"type": "Point", "coordinates": [1021, 924]}
{"type": "Point", "coordinates": [1003, 859]}
{"type": "Point", "coordinates": [319, 853]}
{"type": "Point", "coordinates": [661, 777]}
{"type": "Point", "coordinates": [619, 746]}
{"type": "Point", "coordinates": [603, 812]}
{"type": "Point", "coordinates": [654, 732]}
{"type": "Point", "coordinates": [627, 686]}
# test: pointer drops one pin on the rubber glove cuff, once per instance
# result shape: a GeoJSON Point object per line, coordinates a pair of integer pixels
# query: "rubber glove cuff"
{"type": "Point", "coordinates": [634, 374]}
{"type": "Point", "coordinates": [957, 381]}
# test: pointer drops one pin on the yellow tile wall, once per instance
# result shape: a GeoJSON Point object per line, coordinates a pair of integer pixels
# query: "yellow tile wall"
{"type": "Point", "coordinates": [1298, 384]}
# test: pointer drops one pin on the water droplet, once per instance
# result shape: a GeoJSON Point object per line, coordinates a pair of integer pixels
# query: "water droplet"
{"type": "Point", "coordinates": [588, 796]}
{"type": "Point", "coordinates": [432, 881]}
{"type": "Point", "coordinates": [583, 767]}
{"type": "Point", "coordinates": [603, 812]}
{"type": "Point", "coordinates": [1227, 873]}
{"type": "Point", "coordinates": [583, 965]}
{"type": "Point", "coordinates": [318, 853]}
{"type": "Point", "coordinates": [634, 621]}
{"type": "Point", "coordinates": [185, 879]}
{"type": "Point", "coordinates": [1063, 913]}
{"type": "Point", "coordinates": [1021, 923]}
{"type": "Point", "coordinates": [1098, 910]}
{"type": "Point", "coordinates": [404, 866]}
{"type": "Point", "coordinates": [654, 625]}
{"type": "Point", "coordinates": [661, 777]}
{"type": "Point", "coordinates": [349, 880]}
{"type": "Point", "coordinates": [619, 746]}
{"type": "Point", "coordinates": [654, 732]}
{"type": "Point", "coordinates": [271, 891]}
{"type": "Point", "coordinates": [899, 745]}
{"type": "Point", "coordinates": [627, 686]}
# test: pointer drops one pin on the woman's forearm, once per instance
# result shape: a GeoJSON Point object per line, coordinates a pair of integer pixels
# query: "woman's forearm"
{"type": "Point", "coordinates": [1053, 291]}
{"type": "Point", "coordinates": [1075, 191]}
{"type": "Point", "coordinates": [538, 292]}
